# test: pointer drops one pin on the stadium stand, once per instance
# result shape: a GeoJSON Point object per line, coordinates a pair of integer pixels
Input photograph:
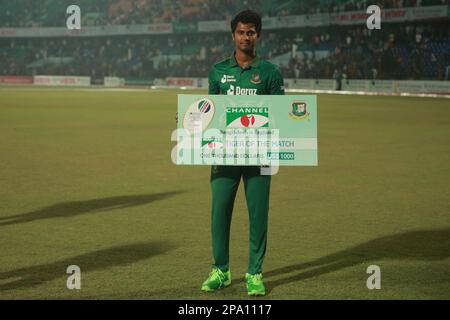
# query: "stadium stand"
{"type": "Point", "coordinates": [50, 13]}
{"type": "Point", "coordinates": [407, 50]}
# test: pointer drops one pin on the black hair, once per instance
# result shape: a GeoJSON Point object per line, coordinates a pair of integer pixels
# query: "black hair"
{"type": "Point", "coordinates": [247, 16]}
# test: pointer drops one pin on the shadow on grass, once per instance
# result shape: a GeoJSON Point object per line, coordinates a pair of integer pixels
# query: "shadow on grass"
{"type": "Point", "coordinates": [73, 208]}
{"type": "Point", "coordinates": [431, 245]}
{"type": "Point", "coordinates": [414, 245]}
{"type": "Point", "coordinates": [97, 260]}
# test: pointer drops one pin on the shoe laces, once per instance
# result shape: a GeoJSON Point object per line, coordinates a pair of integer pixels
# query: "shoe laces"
{"type": "Point", "coordinates": [216, 272]}
{"type": "Point", "coordinates": [255, 278]}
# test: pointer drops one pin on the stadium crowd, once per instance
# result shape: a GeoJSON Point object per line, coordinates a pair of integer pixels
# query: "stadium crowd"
{"type": "Point", "coordinates": [52, 13]}
{"type": "Point", "coordinates": [401, 51]}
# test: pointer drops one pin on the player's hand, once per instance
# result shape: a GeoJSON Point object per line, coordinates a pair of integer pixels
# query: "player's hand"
{"type": "Point", "coordinates": [176, 118]}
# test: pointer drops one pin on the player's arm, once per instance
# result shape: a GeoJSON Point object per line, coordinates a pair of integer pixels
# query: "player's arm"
{"type": "Point", "coordinates": [276, 83]}
{"type": "Point", "coordinates": [213, 83]}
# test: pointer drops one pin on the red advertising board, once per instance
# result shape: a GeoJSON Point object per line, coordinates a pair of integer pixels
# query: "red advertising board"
{"type": "Point", "coordinates": [16, 80]}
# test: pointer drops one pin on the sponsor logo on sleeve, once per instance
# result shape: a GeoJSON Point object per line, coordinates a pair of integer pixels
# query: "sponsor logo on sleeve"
{"type": "Point", "coordinates": [227, 78]}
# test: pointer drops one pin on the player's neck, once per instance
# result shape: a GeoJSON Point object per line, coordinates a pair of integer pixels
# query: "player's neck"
{"type": "Point", "coordinates": [244, 59]}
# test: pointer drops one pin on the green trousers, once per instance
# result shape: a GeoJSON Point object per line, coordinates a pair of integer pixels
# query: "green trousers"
{"type": "Point", "coordinates": [224, 185]}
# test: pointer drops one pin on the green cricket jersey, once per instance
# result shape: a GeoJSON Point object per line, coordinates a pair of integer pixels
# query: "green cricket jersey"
{"type": "Point", "coordinates": [260, 77]}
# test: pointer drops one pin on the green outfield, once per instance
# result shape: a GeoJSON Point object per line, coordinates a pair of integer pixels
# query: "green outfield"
{"type": "Point", "coordinates": [86, 179]}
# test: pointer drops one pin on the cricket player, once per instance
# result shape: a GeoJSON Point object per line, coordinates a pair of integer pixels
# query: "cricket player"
{"type": "Point", "coordinates": [243, 73]}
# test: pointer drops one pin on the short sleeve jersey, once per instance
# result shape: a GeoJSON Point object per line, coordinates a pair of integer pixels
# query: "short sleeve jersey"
{"type": "Point", "coordinates": [260, 77]}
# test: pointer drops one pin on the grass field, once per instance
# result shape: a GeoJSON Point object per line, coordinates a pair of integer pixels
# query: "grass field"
{"type": "Point", "coordinates": [86, 179]}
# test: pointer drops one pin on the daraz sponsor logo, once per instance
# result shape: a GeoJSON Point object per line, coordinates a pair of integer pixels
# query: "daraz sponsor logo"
{"type": "Point", "coordinates": [247, 117]}
{"type": "Point", "coordinates": [236, 90]}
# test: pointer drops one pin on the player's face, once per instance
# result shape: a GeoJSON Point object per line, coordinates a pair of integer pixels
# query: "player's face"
{"type": "Point", "coordinates": [245, 37]}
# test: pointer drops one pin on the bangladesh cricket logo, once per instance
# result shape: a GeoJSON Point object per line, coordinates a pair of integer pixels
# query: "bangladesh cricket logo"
{"type": "Point", "coordinates": [248, 117]}
{"type": "Point", "coordinates": [255, 78]}
{"type": "Point", "coordinates": [299, 111]}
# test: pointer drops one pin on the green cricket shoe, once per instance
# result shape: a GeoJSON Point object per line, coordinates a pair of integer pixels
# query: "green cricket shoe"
{"type": "Point", "coordinates": [255, 285]}
{"type": "Point", "coordinates": [217, 279]}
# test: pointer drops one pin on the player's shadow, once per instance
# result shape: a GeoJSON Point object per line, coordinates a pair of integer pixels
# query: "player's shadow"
{"type": "Point", "coordinates": [414, 245]}
{"type": "Point", "coordinates": [73, 208]}
{"type": "Point", "coordinates": [93, 261]}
